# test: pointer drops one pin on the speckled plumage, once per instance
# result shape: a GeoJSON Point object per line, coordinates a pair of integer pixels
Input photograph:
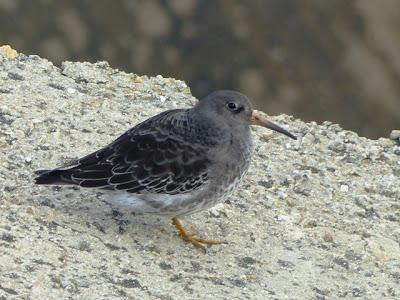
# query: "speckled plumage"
{"type": "Point", "coordinates": [176, 163]}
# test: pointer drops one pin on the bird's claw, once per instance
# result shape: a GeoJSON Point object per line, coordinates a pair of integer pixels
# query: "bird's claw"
{"type": "Point", "coordinates": [192, 238]}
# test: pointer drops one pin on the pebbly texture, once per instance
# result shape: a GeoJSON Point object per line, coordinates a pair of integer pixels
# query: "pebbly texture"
{"type": "Point", "coordinates": [316, 218]}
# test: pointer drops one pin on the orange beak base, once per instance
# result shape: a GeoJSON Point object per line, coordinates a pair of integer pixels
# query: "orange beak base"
{"type": "Point", "coordinates": [258, 119]}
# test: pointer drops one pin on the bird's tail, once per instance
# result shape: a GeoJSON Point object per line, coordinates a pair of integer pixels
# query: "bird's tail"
{"type": "Point", "coordinates": [50, 177]}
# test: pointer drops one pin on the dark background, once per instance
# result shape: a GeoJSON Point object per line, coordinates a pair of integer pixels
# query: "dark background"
{"type": "Point", "coordinates": [318, 60]}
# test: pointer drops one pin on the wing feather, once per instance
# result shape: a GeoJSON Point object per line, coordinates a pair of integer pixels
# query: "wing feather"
{"type": "Point", "coordinates": [149, 158]}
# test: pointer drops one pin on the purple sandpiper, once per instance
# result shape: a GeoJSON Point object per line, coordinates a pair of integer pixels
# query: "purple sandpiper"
{"type": "Point", "coordinates": [176, 163]}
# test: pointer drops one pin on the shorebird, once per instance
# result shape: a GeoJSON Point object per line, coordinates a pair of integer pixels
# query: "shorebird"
{"type": "Point", "coordinates": [176, 163]}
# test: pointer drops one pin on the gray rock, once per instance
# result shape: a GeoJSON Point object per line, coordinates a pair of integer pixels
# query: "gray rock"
{"type": "Point", "coordinates": [68, 243]}
{"type": "Point", "coordinates": [395, 136]}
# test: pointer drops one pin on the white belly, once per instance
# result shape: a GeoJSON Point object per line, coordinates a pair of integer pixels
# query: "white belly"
{"type": "Point", "coordinates": [160, 204]}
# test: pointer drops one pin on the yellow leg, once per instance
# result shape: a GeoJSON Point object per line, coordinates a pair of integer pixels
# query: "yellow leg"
{"type": "Point", "coordinates": [191, 238]}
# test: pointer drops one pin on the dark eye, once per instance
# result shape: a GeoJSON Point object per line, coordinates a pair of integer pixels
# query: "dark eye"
{"type": "Point", "coordinates": [232, 106]}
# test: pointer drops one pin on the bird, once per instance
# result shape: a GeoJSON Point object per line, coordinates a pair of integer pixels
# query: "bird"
{"type": "Point", "coordinates": [176, 163]}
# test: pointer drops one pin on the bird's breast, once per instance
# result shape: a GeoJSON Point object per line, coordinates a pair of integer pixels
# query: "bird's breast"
{"type": "Point", "coordinates": [233, 164]}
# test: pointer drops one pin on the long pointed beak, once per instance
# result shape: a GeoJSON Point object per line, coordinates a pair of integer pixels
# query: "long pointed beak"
{"type": "Point", "coordinates": [258, 119]}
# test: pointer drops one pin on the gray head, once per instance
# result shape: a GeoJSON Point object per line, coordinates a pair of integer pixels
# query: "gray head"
{"type": "Point", "coordinates": [235, 110]}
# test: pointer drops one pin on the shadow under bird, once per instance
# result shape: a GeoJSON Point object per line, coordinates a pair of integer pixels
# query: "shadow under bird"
{"type": "Point", "coordinates": [176, 163]}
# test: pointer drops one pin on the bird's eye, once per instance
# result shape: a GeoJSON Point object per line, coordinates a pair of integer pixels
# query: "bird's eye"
{"type": "Point", "coordinates": [232, 106]}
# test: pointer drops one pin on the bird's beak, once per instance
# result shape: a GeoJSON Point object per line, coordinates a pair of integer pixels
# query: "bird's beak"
{"type": "Point", "coordinates": [258, 119]}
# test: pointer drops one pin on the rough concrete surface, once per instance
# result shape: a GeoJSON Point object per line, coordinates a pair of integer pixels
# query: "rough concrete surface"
{"type": "Point", "coordinates": [316, 218]}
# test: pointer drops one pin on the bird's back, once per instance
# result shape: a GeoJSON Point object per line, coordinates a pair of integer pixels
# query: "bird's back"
{"type": "Point", "coordinates": [159, 155]}
{"type": "Point", "coordinates": [178, 154]}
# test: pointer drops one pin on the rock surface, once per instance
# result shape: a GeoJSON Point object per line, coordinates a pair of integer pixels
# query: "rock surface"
{"type": "Point", "coordinates": [316, 218]}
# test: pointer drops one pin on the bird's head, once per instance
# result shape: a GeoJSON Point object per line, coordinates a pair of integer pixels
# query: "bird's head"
{"type": "Point", "coordinates": [236, 111]}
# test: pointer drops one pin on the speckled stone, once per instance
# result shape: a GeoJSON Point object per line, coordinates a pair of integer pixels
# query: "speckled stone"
{"type": "Point", "coordinates": [68, 243]}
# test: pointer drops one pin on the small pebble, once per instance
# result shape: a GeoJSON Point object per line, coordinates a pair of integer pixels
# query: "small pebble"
{"type": "Point", "coordinates": [344, 188]}
{"type": "Point", "coordinates": [328, 237]}
{"type": "Point", "coordinates": [395, 136]}
{"type": "Point", "coordinates": [71, 90]}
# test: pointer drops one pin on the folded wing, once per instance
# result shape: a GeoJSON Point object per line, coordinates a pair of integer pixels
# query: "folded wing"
{"type": "Point", "coordinates": [145, 159]}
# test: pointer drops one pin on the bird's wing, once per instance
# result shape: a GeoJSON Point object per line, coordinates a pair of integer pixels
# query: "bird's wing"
{"type": "Point", "coordinates": [145, 159]}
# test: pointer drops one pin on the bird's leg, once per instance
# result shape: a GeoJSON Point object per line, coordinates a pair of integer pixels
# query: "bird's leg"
{"type": "Point", "coordinates": [191, 238]}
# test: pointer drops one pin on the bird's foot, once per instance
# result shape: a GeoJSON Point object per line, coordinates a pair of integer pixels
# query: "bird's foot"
{"type": "Point", "coordinates": [192, 238]}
